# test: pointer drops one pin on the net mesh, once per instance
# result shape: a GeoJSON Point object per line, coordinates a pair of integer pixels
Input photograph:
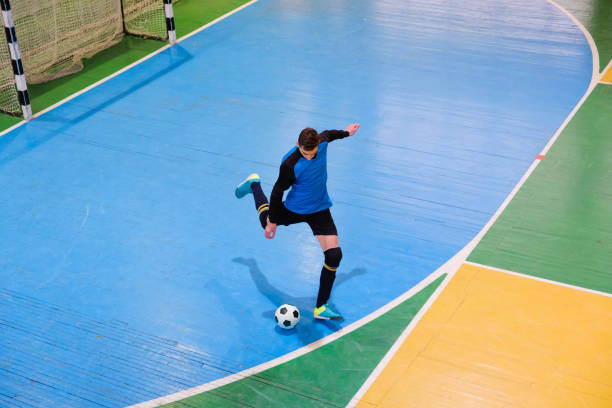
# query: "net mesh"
{"type": "Point", "coordinates": [55, 35]}
{"type": "Point", "coordinates": [8, 94]}
{"type": "Point", "coordinates": [145, 18]}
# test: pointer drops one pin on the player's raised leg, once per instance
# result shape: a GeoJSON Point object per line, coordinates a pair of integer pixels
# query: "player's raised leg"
{"type": "Point", "coordinates": [252, 186]}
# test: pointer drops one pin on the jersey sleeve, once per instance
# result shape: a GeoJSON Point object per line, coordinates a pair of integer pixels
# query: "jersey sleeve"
{"type": "Point", "coordinates": [331, 135]}
{"type": "Point", "coordinates": [286, 178]}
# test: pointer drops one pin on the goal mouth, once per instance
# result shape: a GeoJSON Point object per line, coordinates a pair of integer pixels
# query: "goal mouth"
{"type": "Point", "coordinates": [54, 36]}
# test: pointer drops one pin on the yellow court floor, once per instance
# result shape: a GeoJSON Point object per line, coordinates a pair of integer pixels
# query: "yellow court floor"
{"type": "Point", "coordinates": [607, 76]}
{"type": "Point", "coordinates": [494, 339]}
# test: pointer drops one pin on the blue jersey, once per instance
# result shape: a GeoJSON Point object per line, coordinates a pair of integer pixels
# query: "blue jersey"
{"type": "Point", "coordinates": [308, 193]}
{"type": "Point", "coordinates": [306, 178]}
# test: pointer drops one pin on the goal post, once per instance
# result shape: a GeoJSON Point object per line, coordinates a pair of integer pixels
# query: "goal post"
{"type": "Point", "coordinates": [56, 35]}
{"type": "Point", "coordinates": [170, 21]}
{"type": "Point", "coordinates": [13, 90]}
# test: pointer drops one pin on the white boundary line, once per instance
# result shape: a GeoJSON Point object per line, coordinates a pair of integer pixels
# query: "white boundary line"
{"type": "Point", "coordinates": [552, 282]}
{"type": "Point", "coordinates": [122, 70]}
{"type": "Point", "coordinates": [588, 36]}
{"type": "Point", "coordinates": [458, 259]}
{"type": "Point", "coordinates": [594, 77]}
{"type": "Point", "coordinates": [204, 27]}
{"type": "Point", "coordinates": [468, 249]}
{"type": "Point", "coordinates": [449, 266]}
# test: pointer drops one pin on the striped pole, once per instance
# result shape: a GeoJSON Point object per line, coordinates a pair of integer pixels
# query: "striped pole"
{"type": "Point", "coordinates": [170, 21]}
{"type": "Point", "coordinates": [11, 39]}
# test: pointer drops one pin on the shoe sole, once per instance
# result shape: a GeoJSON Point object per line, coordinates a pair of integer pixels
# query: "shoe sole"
{"type": "Point", "coordinates": [329, 318]}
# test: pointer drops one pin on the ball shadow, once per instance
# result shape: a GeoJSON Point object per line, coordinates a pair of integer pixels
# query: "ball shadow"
{"type": "Point", "coordinates": [306, 331]}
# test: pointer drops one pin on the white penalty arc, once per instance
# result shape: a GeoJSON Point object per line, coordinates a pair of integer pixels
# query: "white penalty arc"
{"type": "Point", "coordinates": [449, 268]}
{"type": "Point", "coordinates": [470, 247]}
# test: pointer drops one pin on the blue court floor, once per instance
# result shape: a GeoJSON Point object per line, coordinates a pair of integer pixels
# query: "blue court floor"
{"type": "Point", "coordinates": [128, 269]}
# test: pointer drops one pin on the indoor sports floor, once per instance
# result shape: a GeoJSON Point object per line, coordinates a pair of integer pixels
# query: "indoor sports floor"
{"type": "Point", "coordinates": [130, 275]}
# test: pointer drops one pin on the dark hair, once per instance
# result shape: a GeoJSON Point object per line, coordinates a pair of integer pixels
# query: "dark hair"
{"type": "Point", "coordinates": [309, 139]}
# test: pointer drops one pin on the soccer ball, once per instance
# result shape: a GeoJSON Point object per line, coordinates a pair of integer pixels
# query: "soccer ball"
{"type": "Point", "coordinates": [287, 316]}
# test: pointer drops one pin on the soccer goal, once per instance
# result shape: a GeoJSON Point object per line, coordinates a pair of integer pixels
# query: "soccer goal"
{"type": "Point", "coordinates": [48, 39]}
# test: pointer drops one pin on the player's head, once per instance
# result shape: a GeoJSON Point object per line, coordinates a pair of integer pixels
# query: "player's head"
{"type": "Point", "coordinates": [308, 143]}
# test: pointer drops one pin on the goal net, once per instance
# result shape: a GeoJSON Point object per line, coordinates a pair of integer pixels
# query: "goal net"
{"type": "Point", "coordinates": [55, 35]}
{"type": "Point", "coordinates": [9, 101]}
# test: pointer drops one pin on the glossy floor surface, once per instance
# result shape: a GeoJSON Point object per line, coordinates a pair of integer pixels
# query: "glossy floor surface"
{"type": "Point", "coordinates": [541, 337]}
{"type": "Point", "coordinates": [130, 271]}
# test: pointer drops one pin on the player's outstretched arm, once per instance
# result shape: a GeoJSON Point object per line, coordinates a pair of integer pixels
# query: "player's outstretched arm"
{"type": "Point", "coordinates": [331, 135]}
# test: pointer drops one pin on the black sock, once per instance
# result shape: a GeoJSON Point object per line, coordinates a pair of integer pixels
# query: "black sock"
{"type": "Point", "coordinates": [326, 282]}
{"type": "Point", "coordinates": [328, 274]}
{"type": "Point", "coordinates": [261, 203]}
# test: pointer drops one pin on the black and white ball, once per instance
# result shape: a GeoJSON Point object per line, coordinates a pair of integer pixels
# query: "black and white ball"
{"type": "Point", "coordinates": [287, 316]}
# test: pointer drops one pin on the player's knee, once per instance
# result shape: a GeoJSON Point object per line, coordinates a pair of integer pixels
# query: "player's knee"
{"type": "Point", "coordinates": [333, 256]}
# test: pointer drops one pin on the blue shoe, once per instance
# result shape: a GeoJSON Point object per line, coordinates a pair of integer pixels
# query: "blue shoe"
{"type": "Point", "coordinates": [244, 188]}
{"type": "Point", "coordinates": [325, 313]}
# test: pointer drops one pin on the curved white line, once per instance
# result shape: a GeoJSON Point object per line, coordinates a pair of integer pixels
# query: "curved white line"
{"type": "Point", "coordinates": [594, 80]}
{"type": "Point", "coordinates": [589, 38]}
{"type": "Point", "coordinates": [450, 267]}
{"type": "Point", "coordinates": [536, 278]}
{"type": "Point", "coordinates": [594, 77]}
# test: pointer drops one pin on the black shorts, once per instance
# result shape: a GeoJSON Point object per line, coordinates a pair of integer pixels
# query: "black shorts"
{"type": "Point", "coordinates": [321, 223]}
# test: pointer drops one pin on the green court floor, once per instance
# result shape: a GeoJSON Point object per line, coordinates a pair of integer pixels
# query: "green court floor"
{"type": "Point", "coordinates": [559, 225]}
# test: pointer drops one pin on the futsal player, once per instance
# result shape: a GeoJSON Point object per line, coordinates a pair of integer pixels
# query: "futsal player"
{"type": "Point", "coordinates": [304, 170]}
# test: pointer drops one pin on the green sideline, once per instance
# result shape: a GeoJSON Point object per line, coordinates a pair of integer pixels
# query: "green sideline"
{"type": "Point", "coordinates": [326, 377]}
{"type": "Point", "coordinates": [559, 225]}
{"type": "Point", "coordinates": [189, 15]}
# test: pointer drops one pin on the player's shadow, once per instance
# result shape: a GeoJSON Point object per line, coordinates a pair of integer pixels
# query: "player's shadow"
{"type": "Point", "coordinates": [308, 332]}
